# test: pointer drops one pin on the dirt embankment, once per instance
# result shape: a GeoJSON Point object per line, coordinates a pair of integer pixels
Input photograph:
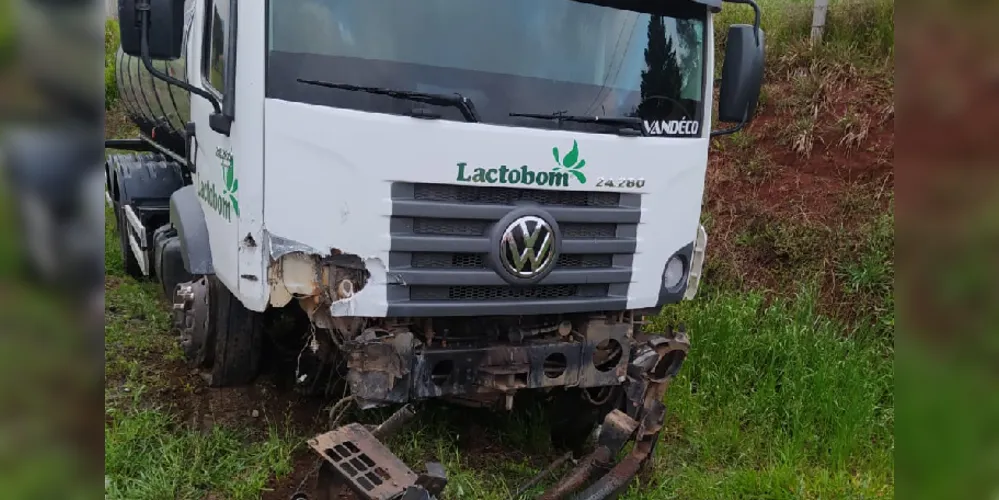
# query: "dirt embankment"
{"type": "Point", "coordinates": [792, 198]}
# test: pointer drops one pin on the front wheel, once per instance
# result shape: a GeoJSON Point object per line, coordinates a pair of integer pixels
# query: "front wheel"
{"type": "Point", "coordinates": [218, 334]}
{"type": "Point", "coordinates": [239, 335]}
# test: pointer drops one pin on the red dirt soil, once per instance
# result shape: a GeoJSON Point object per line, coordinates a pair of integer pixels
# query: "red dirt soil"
{"type": "Point", "coordinates": [762, 181]}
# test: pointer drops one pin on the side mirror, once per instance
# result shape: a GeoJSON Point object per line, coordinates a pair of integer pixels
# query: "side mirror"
{"type": "Point", "coordinates": [166, 27]}
{"type": "Point", "coordinates": [742, 75]}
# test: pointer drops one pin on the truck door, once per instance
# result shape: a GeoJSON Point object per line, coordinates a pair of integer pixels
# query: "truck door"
{"type": "Point", "coordinates": [216, 176]}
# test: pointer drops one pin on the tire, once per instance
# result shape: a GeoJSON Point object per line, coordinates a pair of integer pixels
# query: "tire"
{"type": "Point", "coordinates": [237, 336]}
{"type": "Point", "coordinates": [128, 258]}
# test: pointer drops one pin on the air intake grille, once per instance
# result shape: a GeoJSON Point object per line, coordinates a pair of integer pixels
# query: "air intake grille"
{"type": "Point", "coordinates": [505, 292]}
{"type": "Point", "coordinates": [468, 227]}
{"type": "Point", "coordinates": [450, 227]}
{"type": "Point", "coordinates": [478, 261]}
{"type": "Point", "coordinates": [508, 196]}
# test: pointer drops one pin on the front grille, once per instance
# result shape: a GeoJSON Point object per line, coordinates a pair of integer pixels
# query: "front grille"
{"type": "Point", "coordinates": [505, 292]}
{"type": "Point", "coordinates": [478, 261]}
{"type": "Point", "coordinates": [469, 227]}
{"type": "Point", "coordinates": [584, 231]}
{"type": "Point", "coordinates": [441, 238]}
{"type": "Point", "coordinates": [450, 227]}
{"type": "Point", "coordinates": [509, 196]}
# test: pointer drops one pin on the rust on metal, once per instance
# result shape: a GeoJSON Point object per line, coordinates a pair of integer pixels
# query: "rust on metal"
{"type": "Point", "coordinates": [621, 422]}
{"type": "Point", "coordinates": [395, 422]}
{"type": "Point", "coordinates": [544, 472]}
{"type": "Point", "coordinates": [363, 462]}
{"type": "Point", "coordinates": [618, 478]}
{"type": "Point", "coordinates": [612, 483]}
{"type": "Point", "coordinates": [671, 353]}
{"type": "Point", "coordinates": [576, 478]}
{"type": "Point", "coordinates": [652, 365]}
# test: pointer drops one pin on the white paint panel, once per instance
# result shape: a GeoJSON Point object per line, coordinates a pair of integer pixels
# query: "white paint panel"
{"type": "Point", "coordinates": [248, 151]}
{"type": "Point", "coordinates": [223, 233]}
{"type": "Point", "coordinates": [329, 173]}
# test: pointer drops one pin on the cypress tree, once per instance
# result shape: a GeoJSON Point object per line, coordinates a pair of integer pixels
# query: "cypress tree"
{"type": "Point", "coordinates": [661, 76]}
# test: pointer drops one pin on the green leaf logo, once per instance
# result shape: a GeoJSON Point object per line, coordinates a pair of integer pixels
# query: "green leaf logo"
{"type": "Point", "coordinates": [571, 162]}
{"type": "Point", "coordinates": [571, 156]}
{"type": "Point", "coordinates": [227, 173]}
{"type": "Point", "coordinates": [231, 184]}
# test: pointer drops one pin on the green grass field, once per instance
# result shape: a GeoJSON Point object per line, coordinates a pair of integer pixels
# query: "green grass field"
{"type": "Point", "coordinates": [779, 398]}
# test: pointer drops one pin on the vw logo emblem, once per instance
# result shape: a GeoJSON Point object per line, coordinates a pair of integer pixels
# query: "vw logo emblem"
{"type": "Point", "coordinates": [527, 247]}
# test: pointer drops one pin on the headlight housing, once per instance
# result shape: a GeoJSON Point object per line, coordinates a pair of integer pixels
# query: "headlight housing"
{"type": "Point", "coordinates": [696, 263]}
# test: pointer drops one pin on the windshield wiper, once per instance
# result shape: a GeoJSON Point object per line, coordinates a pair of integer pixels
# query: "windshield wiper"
{"type": "Point", "coordinates": [629, 125]}
{"type": "Point", "coordinates": [456, 100]}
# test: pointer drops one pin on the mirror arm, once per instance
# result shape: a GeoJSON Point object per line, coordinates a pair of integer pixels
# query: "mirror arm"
{"type": "Point", "coordinates": [143, 7]}
{"type": "Point", "coordinates": [756, 16]}
{"type": "Point", "coordinates": [727, 131]}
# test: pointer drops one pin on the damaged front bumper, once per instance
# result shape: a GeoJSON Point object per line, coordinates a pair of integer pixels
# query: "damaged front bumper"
{"type": "Point", "coordinates": [354, 457]}
{"type": "Point", "coordinates": [398, 367]}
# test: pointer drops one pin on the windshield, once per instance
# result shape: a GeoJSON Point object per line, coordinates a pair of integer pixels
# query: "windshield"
{"type": "Point", "coordinates": [511, 56]}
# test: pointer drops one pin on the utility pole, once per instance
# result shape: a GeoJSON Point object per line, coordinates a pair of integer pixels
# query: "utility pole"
{"type": "Point", "coordinates": [819, 19]}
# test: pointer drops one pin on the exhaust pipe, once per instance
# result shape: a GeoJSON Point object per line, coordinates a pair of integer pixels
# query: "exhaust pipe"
{"type": "Point", "coordinates": [615, 481]}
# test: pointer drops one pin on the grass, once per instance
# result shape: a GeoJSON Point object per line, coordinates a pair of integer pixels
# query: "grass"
{"type": "Point", "coordinates": [858, 32]}
{"type": "Point", "coordinates": [148, 455]}
{"type": "Point", "coordinates": [774, 402]}
{"type": "Point", "coordinates": [869, 279]}
{"type": "Point", "coordinates": [786, 244]}
{"type": "Point", "coordinates": [112, 40]}
{"type": "Point", "coordinates": [774, 384]}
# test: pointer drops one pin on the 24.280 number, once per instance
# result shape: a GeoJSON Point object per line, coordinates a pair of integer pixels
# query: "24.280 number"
{"type": "Point", "coordinates": [621, 183]}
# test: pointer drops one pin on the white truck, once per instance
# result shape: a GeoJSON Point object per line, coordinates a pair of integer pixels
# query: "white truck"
{"type": "Point", "coordinates": [460, 199]}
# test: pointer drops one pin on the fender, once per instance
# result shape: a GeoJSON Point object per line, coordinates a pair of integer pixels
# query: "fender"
{"type": "Point", "coordinates": [188, 219]}
{"type": "Point", "coordinates": [143, 179]}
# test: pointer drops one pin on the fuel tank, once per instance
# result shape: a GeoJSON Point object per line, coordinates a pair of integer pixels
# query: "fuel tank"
{"type": "Point", "coordinates": [159, 109]}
